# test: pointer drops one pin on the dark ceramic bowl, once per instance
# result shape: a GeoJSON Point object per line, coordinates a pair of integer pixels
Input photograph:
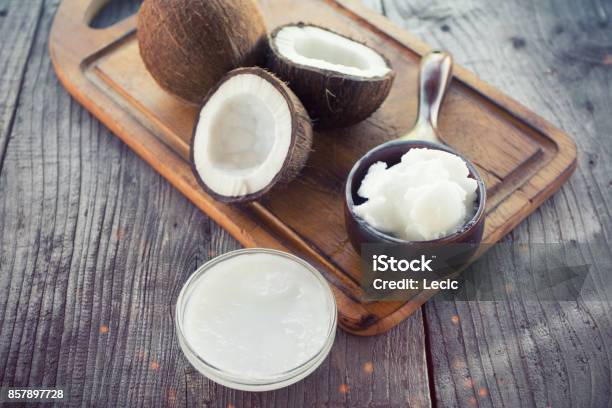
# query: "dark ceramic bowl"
{"type": "Point", "coordinates": [360, 232]}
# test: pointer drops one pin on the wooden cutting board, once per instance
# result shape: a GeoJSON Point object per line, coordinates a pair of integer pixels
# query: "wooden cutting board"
{"type": "Point", "coordinates": [523, 158]}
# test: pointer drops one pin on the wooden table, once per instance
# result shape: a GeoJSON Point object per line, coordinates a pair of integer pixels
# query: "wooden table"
{"type": "Point", "coordinates": [95, 246]}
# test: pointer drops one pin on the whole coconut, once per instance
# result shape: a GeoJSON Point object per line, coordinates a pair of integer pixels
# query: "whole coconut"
{"type": "Point", "coordinates": [189, 45]}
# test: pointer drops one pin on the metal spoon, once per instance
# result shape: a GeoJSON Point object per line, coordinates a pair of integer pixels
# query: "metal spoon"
{"type": "Point", "coordinates": [434, 78]}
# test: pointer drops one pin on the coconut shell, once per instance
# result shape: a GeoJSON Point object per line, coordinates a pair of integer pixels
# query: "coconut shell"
{"type": "Point", "coordinates": [188, 45]}
{"type": "Point", "coordinates": [333, 99]}
{"type": "Point", "coordinates": [299, 148]}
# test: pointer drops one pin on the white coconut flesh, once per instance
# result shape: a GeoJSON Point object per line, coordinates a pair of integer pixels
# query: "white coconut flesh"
{"type": "Point", "coordinates": [319, 48]}
{"type": "Point", "coordinates": [243, 136]}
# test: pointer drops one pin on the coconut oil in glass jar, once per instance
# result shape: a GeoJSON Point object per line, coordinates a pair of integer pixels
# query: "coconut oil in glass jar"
{"type": "Point", "coordinates": [256, 319]}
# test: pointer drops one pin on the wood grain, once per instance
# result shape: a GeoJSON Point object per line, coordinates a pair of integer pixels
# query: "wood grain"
{"type": "Point", "coordinates": [551, 56]}
{"type": "Point", "coordinates": [525, 157]}
{"type": "Point", "coordinates": [83, 222]}
{"type": "Point", "coordinates": [17, 28]}
{"type": "Point", "coordinates": [94, 248]}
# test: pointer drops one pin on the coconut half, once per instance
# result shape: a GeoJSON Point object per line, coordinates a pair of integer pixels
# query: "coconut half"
{"type": "Point", "coordinates": [340, 81]}
{"type": "Point", "coordinates": [252, 134]}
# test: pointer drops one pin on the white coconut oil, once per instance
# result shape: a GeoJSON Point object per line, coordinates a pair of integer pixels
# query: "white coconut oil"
{"type": "Point", "coordinates": [427, 196]}
{"type": "Point", "coordinates": [256, 319]}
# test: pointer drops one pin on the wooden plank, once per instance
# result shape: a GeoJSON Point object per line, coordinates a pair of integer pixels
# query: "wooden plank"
{"type": "Point", "coordinates": [18, 22]}
{"type": "Point", "coordinates": [94, 248]}
{"type": "Point", "coordinates": [554, 57]}
{"type": "Point", "coordinates": [386, 371]}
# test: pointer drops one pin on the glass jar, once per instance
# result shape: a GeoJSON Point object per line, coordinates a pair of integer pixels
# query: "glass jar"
{"type": "Point", "coordinates": [248, 383]}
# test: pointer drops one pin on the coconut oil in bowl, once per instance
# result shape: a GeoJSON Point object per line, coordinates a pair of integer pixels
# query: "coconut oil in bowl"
{"type": "Point", "coordinates": [419, 192]}
{"type": "Point", "coordinates": [256, 319]}
{"type": "Point", "coordinates": [360, 231]}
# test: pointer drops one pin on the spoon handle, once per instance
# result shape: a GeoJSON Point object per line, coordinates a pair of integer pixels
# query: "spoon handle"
{"type": "Point", "coordinates": [434, 77]}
